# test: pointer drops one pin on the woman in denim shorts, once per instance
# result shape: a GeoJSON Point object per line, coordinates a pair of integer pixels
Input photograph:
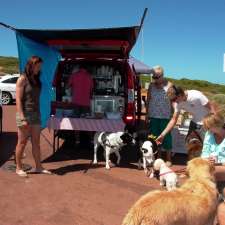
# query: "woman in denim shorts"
{"type": "Point", "coordinates": [28, 89]}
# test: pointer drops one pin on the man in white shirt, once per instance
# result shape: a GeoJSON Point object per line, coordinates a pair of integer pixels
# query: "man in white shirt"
{"type": "Point", "coordinates": [193, 102]}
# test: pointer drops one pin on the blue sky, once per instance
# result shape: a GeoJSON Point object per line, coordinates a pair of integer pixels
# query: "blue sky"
{"type": "Point", "coordinates": [186, 37]}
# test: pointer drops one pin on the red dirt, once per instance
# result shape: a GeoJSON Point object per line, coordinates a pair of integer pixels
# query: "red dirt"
{"type": "Point", "coordinates": [77, 194]}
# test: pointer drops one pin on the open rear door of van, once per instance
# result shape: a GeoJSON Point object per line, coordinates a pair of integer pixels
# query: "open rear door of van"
{"type": "Point", "coordinates": [104, 42]}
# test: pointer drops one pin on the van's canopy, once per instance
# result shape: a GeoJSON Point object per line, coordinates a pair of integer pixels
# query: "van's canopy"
{"type": "Point", "coordinates": [116, 42]}
{"type": "Point", "coordinates": [139, 67]}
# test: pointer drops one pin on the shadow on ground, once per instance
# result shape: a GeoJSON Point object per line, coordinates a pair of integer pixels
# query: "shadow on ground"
{"type": "Point", "coordinates": [72, 151]}
{"type": "Point", "coordinates": [8, 141]}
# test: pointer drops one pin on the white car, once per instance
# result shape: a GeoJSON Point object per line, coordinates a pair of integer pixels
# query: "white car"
{"type": "Point", "coordinates": [8, 88]}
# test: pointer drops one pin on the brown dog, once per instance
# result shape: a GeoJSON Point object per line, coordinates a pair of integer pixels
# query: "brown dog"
{"type": "Point", "coordinates": [193, 143]}
{"type": "Point", "coordinates": [194, 203]}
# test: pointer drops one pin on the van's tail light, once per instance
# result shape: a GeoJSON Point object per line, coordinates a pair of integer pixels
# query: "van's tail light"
{"type": "Point", "coordinates": [129, 118]}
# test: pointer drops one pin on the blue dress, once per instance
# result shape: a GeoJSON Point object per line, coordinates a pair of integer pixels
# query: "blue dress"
{"type": "Point", "coordinates": [210, 147]}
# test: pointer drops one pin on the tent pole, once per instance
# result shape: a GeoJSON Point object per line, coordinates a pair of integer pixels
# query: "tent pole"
{"type": "Point", "coordinates": [7, 26]}
{"type": "Point", "coordinates": [143, 17]}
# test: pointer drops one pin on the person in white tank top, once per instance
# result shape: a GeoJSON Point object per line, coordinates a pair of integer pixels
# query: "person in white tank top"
{"type": "Point", "coordinates": [191, 101]}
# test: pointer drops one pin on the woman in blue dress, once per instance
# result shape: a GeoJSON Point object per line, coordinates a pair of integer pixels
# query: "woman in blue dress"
{"type": "Point", "coordinates": [214, 151]}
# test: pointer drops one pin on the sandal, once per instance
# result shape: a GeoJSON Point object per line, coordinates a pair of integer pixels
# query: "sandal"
{"type": "Point", "coordinates": [44, 171]}
{"type": "Point", "coordinates": [21, 173]}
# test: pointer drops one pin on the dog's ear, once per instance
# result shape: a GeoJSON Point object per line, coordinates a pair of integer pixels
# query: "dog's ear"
{"type": "Point", "coordinates": [126, 137]}
{"type": "Point", "coordinates": [123, 137]}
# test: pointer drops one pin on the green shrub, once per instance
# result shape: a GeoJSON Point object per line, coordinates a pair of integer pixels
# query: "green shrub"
{"type": "Point", "coordinates": [9, 64]}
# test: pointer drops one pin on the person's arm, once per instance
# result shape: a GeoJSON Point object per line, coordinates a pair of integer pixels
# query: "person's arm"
{"type": "Point", "coordinates": [211, 107]}
{"type": "Point", "coordinates": [169, 127]}
{"type": "Point", "coordinates": [19, 96]}
{"type": "Point", "coordinates": [207, 103]}
{"type": "Point", "coordinates": [207, 148]}
{"type": "Point", "coordinates": [147, 103]}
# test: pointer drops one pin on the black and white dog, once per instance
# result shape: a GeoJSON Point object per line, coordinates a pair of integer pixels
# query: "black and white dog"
{"type": "Point", "coordinates": [149, 151]}
{"type": "Point", "coordinates": [112, 143]}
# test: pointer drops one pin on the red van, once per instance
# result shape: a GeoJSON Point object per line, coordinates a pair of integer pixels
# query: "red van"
{"type": "Point", "coordinates": [106, 52]}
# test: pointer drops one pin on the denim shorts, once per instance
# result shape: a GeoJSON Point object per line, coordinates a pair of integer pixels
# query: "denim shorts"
{"type": "Point", "coordinates": [32, 118]}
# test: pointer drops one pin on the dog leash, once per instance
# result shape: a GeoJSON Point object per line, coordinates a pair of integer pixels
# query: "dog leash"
{"type": "Point", "coordinates": [161, 174]}
{"type": "Point", "coordinates": [173, 171]}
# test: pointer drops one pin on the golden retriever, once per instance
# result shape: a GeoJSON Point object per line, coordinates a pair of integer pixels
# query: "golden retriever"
{"type": "Point", "coordinates": [194, 145]}
{"type": "Point", "coordinates": [194, 203]}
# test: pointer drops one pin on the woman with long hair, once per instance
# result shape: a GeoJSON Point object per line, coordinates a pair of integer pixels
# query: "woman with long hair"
{"type": "Point", "coordinates": [214, 151]}
{"type": "Point", "coordinates": [28, 88]}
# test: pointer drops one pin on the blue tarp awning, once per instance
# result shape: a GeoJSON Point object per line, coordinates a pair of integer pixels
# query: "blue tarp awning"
{"type": "Point", "coordinates": [50, 57]}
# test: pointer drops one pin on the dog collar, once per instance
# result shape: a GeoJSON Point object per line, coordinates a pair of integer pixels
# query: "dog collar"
{"type": "Point", "coordinates": [194, 139]}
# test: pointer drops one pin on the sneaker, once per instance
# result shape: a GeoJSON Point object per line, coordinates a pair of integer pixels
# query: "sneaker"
{"type": "Point", "coordinates": [21, 173]}
{"type": "Point", "coordinates": [44, 171]}
{"type": "Point", "coordinates": [40, 171]}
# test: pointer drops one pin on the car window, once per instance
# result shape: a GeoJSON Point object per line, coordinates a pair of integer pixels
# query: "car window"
{"type": "Point", "coordinates": [10, 80]}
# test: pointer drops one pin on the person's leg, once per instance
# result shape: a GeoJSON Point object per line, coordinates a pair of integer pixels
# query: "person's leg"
{"type": "Point", "coordinates": [167, 142]}
{"type": "Point", "coordinates": [220, 173]}
{"type": "Point", "coordinates": [85, 136]}
{"type": "Point", "coordinates": [221, 213]}
{"type": "Point", "coordinates": [35, 140]}
{"type": "Point", "coordinates": [155, 131]}
{"type": "Point", "coordinates": [23, 133]}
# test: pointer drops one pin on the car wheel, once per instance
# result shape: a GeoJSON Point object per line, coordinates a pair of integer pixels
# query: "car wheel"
{"type": "Point", "coordinates": [6, 98]}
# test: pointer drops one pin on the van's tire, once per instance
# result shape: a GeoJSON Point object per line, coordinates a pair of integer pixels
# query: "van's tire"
{"type": "Point", "coordinates": [6, 98]}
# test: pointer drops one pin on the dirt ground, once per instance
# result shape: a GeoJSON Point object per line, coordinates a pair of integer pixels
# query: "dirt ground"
{"type": "Point", "coordinates": [78, 193]}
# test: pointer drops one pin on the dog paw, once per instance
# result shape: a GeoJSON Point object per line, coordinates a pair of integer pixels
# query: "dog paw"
{"type": "Point", "coordinates": [139, 167]}
{"type": "Point", "coordinates": [95, 162]}
{"type": "Point", "coordinates": [107, 167]}
{"type": "Point", "coordinates": [151, 175]}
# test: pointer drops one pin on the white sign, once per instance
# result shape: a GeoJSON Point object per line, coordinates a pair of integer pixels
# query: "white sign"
{"type": "Point", "coordinates": [224, 62]}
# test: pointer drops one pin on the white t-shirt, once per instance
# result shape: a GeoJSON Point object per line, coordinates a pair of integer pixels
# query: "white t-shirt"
{"type": "Point", "coordinates": [195, 105]}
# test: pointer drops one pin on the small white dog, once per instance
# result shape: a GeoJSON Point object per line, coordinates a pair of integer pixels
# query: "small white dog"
{"type": "Point", "coordinates": [167, 176]}
{"type": "Point", "coordinates": [112, 143]}
{"type": "Point", "coordinates": [148, 150]}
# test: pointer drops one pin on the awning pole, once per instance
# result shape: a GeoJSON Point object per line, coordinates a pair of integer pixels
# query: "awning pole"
{"type": "Point", "coordinates": [7, 26]}
{"type": "Point", "coordinates": [143, 17]}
